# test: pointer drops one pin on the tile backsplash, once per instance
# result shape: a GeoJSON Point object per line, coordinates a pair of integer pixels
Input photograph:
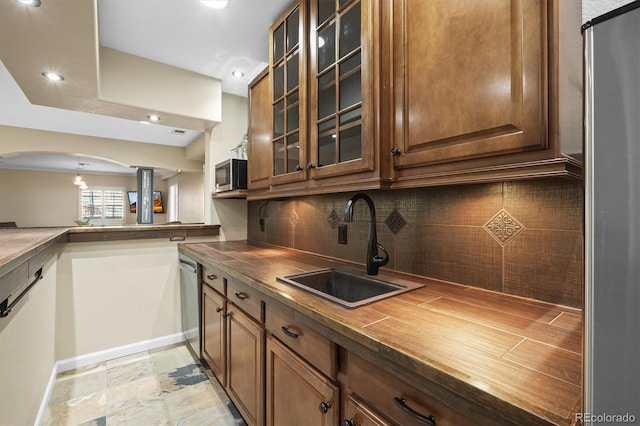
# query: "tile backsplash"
{"type": "Point", "coordinates": [523, 238]}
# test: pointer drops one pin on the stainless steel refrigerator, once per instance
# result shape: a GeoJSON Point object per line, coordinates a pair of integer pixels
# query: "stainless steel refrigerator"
{"type": "Point", "coordinates": [612, 217]}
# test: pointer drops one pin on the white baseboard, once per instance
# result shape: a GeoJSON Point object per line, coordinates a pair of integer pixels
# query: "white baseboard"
{"type": "Point", "coordinates": [47, 394]}
{"type": "Point", "coordinates": [100, 356]}
{"type": "Point", "coordinates": [117, 352]}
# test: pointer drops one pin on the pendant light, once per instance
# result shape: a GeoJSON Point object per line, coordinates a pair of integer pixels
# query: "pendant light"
{"type": "Point", "coordinates": [78, 180]}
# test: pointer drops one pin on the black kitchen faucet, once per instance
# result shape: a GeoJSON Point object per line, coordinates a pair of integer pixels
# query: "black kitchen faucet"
{"type": "Point", "coordinates": [374, 262]}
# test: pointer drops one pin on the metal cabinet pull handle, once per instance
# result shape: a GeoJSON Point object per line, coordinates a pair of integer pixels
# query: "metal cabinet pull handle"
{"type": "Point", "coordinates": [285, 330]}
{"type": "Point", "coordinates": [310, 166]}
{"type": "Point", "coordinates": [218, 309]}
{"type": "Point", "coordinates": [349, 422]}
{"type": "Point", "coordinates": [212, 277]}
{"type": "Point", "coordinates": [298, 168]}
{"type": "Point", "coordinates": [226, 314]}
{"type": "Point", "coordinates": [324, 407]}
{"type": "Point", "coordinates": [242, 296]}
{"type": "Point", "coordinates": [6, 307]}
{"type": "Point", "coordinates": [427, 420]}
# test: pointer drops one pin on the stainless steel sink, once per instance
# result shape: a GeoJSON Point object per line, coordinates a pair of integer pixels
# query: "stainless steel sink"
{"type": "Point", "coordinates": [346, 288]}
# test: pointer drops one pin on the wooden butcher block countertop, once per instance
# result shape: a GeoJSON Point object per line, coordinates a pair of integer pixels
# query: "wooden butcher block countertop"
{"type": "Point", "coordinates": [520, 358]}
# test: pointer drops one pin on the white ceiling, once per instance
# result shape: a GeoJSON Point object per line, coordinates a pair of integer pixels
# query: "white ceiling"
{"type": "Point", "coordinates": [182, 33]}
{"type": "Point", "coordinates": [189, 35]}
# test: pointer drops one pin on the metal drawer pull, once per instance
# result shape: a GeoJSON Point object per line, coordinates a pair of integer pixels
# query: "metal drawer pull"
{"type": "Point", "coordinates": [285, 330]}
{"type": "Point", "coordinates": [402, 403]}
{"type": "Point", "coordinates": [324, 407]}
{"type": "Point", "coordinates": [218, 309]}
{"type": "Point", "coordinates": [242, 295]}
{"type": "Point", "coordinates": [212, 277]}
{"type": "Point", "coordinates": [349, 422]}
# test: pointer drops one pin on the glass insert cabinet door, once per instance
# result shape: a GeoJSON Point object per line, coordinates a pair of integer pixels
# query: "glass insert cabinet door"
{"type": "Point", "coordinates": [340, 133]}
{"type": "Point", "coordinates": [288, 78]}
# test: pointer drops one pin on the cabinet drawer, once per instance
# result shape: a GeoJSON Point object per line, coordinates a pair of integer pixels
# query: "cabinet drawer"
{"type": "Point", "coordinates": [213, 277]}
{"type": "Point", "coordinates": [315, 348]}
{"type": "Point", "coordinates": [246, 298]}
{"type": "Point", "coordinates": [358, 413]}
{"type": "Point", "coordinates": [403, 404]}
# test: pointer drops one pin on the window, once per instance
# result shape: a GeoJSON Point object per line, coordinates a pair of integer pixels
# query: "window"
{"type": "Point", "coordinates": [172, 208]}
{"type": "Point", "coordinates": [102, 206]}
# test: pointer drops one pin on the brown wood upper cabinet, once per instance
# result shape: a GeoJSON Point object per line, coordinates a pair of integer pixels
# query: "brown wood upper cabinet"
{"type": "Point", "coordinates": [260, 165]}
{"type": "Point", "coordinates": [476, 87]}
{"type": "Point", "coordinates": [341, 78]}
{"type": "Point", "coordinates": [460, 73]}
{"type": "Point", "coordinates": [288, 86]}
{"type": "Point", "coordinates": [370, 94]}
{"type": "Point", "coordinates": [322, 81]}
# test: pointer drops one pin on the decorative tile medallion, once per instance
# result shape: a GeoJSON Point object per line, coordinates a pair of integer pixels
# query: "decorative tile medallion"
{"type": "Point", "coordinates": [503, 227]}
{"type": "Point", "coordinates": [293, 218]}
{"type": "Point", "coordinates": [333, 218]}
{"type": "Point", "coordinates": [395, 221]}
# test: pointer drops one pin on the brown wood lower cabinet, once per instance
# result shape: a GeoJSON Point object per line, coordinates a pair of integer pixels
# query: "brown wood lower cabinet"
{"type": "Point", "coordinates": [397, 402]}
{"type": "Point", "coordinates": [214, 333]}
{"type": "Point", "coordinates": [280, 368]}
{"type": "Point", "coordinates": [245, 365]}
{"type": "Point", "coordinates": [233, 346]}
{"type": "Point", "coordinates": [297, 394]}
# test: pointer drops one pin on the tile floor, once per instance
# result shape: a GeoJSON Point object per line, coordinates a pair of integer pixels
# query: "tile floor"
{"type": "Point", "coordinates": [158, 387]}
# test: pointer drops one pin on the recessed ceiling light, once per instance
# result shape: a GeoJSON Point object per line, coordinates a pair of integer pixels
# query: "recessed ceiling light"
{"type": "Point", "coordinates": [153, 118]}
{"type": "Point", "coordinates": [32, 3]}
{"type": "Point", "coordinates": [215, 4]}
{"type": "Point", "coordinates": [237, 74]}
{"type": "Point", "coordinates": [52, 76]}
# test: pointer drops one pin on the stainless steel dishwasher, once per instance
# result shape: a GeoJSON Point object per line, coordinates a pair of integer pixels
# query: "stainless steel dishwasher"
{"type": "Point", "coordinates": [190, 302]}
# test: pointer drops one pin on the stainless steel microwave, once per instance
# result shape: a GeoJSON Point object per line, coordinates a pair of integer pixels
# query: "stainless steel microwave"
{"type": "Point", "coordinates": [231, 175]}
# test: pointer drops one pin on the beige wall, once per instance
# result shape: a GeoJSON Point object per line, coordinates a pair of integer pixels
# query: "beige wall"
{"type": "Point", "coordinates": [190, 196]}
{"type": "Point", "coordinates": [90, 296]}
{"type": "Point", "coordinates": [132, 80]}
{"type": "Point", "coordinates": [23, 194]}
{"type": "Point", "coordinates": [162, 157]}
{"type": "Point", "coordinates": [230, 214]}
{"type": "Point", "coordinates": [27, 351]}
{"type": "Point", "coordinates": [32, 198]}
{"type": "Point", "coordinates": [106, 287]}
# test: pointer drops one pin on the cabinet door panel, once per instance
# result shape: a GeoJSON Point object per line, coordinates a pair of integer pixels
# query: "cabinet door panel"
{"type": "Point", "coordinates": [469, 79]}
{"type": "Point", "coordinates": [295, 390]}
{"type": "Point", "coordinates": [342, 128]}
{"type": "Point", "coordinates": [261, 161]}
{"type": "Point", "coordinates": [246, 365]}
{"type": "Point", "coordinates": [288, 95]}
{"type": "Point", "coordinates": [214, 332]}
